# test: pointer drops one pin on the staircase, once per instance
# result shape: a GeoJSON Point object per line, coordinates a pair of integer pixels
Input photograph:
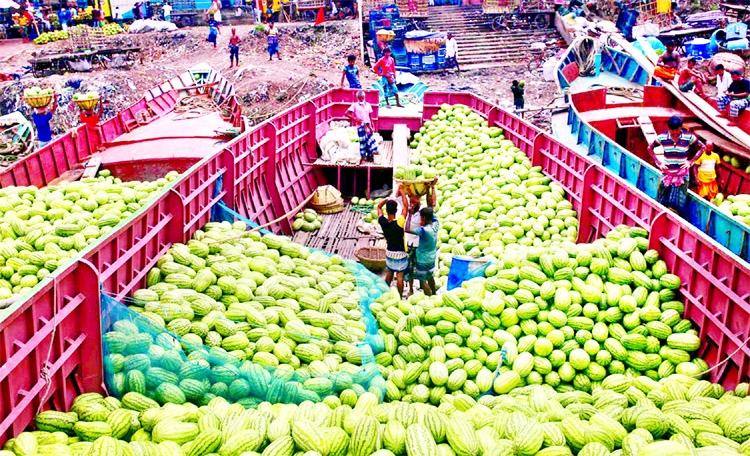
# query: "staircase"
{"type": "Point", "coordinates": [478, 45]}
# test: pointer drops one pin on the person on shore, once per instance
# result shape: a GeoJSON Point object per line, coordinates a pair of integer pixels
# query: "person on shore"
{"type": "Point", "coordinates": [42, 118]}
{"type": "Point", "coordinates": [392, 223]}
{"type": "Point", "coordinates": [213, 32]}
{"type": "Point", "coordinates": [272, 38]}
{"type": "Point", "coordinates": [137, 11]}
{"type": "Point", "coordinates": [668, 63]}
{"type": "Point", "coordinates": [690, 79]}
{"type": "Point", "coordinates": [706, 172]}
{"type": "Point", "coordinates": [167, 11]}
{"type": "Point", "coordinates": [90, 118]}
{"type": "Point", "coordinates": [517, 88]}
{"type": "Point", "coordinates": [451, 53]}
{"type": "Point", "coordinates": [351, 73]}
{"type": "Point", "coordinates": [426, 251]}
{"type": "Point", "coordinates": [359, 116]}
{"type": "Point", "coordinates": [64, 17]}
{"type": "Point", "coordinates": [234, 49]}
{"type": "Point", "coordinates": [680, 151]}
{"type": "Point", "coordinates": [117, 16]}
{"type": "Point", "coordinates": [386, 69]}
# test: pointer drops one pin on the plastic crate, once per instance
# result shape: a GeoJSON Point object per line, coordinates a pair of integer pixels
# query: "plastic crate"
{"type": "Point", "coordinates": [429, 62]}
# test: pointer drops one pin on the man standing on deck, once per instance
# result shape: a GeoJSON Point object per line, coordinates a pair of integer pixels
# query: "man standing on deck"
{"type": "Point", "coordinates": [681, 150]}
{"type": "Point", "coordinates": [359, 116]}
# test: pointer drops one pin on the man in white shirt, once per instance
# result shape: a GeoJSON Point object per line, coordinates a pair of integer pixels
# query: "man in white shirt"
{"type": "Point", "coordinates": [167, 9]}
{"type": "Point", "coordinates": [451, 53]}
{"type": "Point", "coordinates": [723, 80]}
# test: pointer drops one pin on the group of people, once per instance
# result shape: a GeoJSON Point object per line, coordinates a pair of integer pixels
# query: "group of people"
{"type": "Point", "coordinates": [42, 118]}
{"type": "Point", "coordinates": [411, 235]}
{"type": "Point", "coordinates": [732, 89]}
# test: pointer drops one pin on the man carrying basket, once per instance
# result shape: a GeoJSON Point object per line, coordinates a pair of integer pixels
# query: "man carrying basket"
{"type": "Point", "coordinates": [396, 258]}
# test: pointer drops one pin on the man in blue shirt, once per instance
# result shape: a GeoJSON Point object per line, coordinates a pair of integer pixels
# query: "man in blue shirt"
{"type": "Point", "coordinates": [42, 118]}
{"type": "Point", "coordinates": [351, 73]}
{"type": "Point", "coordinates": [426, 258]}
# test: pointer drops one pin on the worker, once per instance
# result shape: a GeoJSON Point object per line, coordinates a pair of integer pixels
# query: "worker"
{"type": "Point", "coordinates": [392, 223]}
{"type": "Point", "coordinates": [451, 53]}
{"type": "Point", "coordinates": [735, 101]}
{"type": "Point", "coordinates": [359, 116]}
{"type": "Point", "coordinates": [707, 163]}
{"type": "Point", "coordinates": [213, 32]}
{"type": "Point", "coordinates": [42, 118]}
{"type": "Point", "coordinates": [681, 150]}
{"type": "Point", "coordinates": [517, 88]}
{"type": "Point", "coordinates": [351, 73]}
{"type": "Point", "coordinates": [386, 69]}
{"type": "Point", "coordinates": [272, 38]}
{"type": "Point", "coordinates": [668, 63]}
{"type": "Point", "coordinates": [723, 80]}
{"type": "Point", "coordinates": [234, 49]}
{"type": "Point", "coordinates": [90, 118]}
{"type": "Point", "coordinates": [690, 79]}
{"type": "Point", "coordinates": [426, 251]}
{"type": "Point", "coordinates": [167, 10]}
{"type": "Point", "coordinates": [413, 223]}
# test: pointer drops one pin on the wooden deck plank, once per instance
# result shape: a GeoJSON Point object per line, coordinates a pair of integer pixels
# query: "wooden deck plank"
{"type": "Point", "coordinates": [338, 235]}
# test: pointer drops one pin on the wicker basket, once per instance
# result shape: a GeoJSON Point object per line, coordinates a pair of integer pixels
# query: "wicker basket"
{"type": "Point", "coordinates": [373, 258]}
{"type": "Point", "coordinates": [89, 103]}
{"type": "Point", "coordinates": [417, 187]}
{"type": "Point", "coordinates": [331, 208]}
{"type": "Point", "coordinates": [39, 101]}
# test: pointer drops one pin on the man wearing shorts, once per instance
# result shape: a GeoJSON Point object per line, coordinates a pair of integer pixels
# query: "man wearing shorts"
{"type": "Point", "coordinates": [396, 258]}
{"type": "Point", "coordinates": [426, 257]}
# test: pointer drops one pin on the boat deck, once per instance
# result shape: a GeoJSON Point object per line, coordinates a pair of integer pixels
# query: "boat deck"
{"type": "Point", "coordinates": [338, 234]}
{"type": "Point", "coordinates": [609, 80]}
{"type": "Point", "coordinates": [165, 139]}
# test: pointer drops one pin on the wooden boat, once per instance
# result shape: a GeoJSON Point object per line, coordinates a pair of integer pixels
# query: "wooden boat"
{"type": "Point", "coordinates": [614, 115]}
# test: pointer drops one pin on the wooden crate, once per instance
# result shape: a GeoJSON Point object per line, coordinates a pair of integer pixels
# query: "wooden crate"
{"type": "Point", "coordinates": [79, 38]}
{"type": "Point", "coordinates": [648, 13]}
{"type": "Point", "coordinates": [412, 8]}
{"type": "Point", "coordinates": [498, 6]}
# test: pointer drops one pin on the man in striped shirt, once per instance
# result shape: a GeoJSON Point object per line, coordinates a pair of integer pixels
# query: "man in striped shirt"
{"type": "Point", "coordinates": [680, 151]}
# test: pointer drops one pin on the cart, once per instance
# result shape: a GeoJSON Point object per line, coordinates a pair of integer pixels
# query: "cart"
{"type": "Point", "coordinates": [503, 15]}
{"type": "Point", "coordinates": [414, 13]}
{"type": "Point", "coordinates": [61, 63]}
{"type": "Point", "coordinates": [125, 57]}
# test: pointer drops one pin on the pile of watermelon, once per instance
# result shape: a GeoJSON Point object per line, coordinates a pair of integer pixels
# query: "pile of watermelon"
{"type": "Point", "coordinates": [246, 317]}
{"type": "Point", "coordinates": [41, 228]}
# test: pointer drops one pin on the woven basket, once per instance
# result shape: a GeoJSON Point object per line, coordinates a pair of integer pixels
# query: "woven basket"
{"type": "Point", "coordinates": [40, 101]}
{"type": "Point", "coordinates": [373, 258]}
{"type": "Point", "coordinates": [417, 187]}
{"type": "Point", "coordinates": [325, 195]}
{"type": "Point", "coordinates": [332, 208]}
{"type": "Point", "coordinates": [89, 103]}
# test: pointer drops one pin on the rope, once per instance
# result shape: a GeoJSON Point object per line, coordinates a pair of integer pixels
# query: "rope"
{"type": "Point", "coordinates": [273, 222]}
{"type": "Point", "coordinates": [193, 107]}
{"type": "Point", "coordinates": [724, 361]}
{"type": "Point", "coordinates": [586, 49]}
{"type": "Point", "coordinates": [44, 371]}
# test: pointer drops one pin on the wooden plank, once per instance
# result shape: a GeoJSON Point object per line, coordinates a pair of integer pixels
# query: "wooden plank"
{"type": "Point", "coordinates": [632, 111]}
{"type": "Point", "coordinates": [647, 127]}
{"type": "Point", "coordinates": [722, 143]}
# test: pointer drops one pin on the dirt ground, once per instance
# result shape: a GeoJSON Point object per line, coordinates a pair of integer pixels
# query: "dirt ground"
{"type": "Point", "coordinates": [311, 63]}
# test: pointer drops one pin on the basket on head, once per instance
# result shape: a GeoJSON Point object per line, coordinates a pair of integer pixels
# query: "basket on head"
{"type": "Point", "coordinates": [417, 187]}
{"type": "Point", "coordinates": [88, 103]}
{"type": "Point", "coordinates": [373, 258]}
{"type": "Point", "coordinates": [39, 101]}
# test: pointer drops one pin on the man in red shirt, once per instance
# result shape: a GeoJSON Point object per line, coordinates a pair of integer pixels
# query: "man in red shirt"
{"type": "Point", "coordinates": [386, 69]}
{"type": "Point", "coordinates": [234, 49]}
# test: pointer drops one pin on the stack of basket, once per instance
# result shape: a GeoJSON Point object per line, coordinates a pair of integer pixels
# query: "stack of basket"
{"type": "Point", "coordinates": [327, 200]}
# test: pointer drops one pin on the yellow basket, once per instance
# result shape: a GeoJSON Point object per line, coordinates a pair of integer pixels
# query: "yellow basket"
{"type": "Point", "coordinates": [89, 103]}
{"type": "Point", "coordinates": [417, 187]}
{"type": "Point", "coordinates": [40, 101]}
